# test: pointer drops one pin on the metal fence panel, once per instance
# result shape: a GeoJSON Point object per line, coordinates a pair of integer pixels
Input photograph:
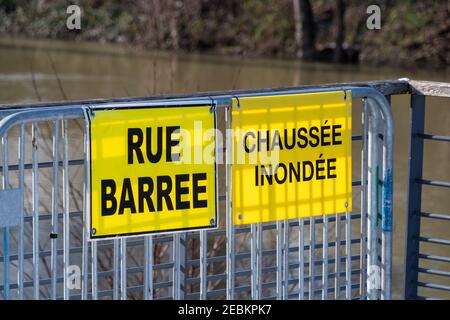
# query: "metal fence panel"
{"type": "Point", "coordinates": [47, 256]}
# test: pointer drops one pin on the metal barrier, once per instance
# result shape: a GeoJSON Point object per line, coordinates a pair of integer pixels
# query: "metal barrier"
{"type": "Point", "coordinates": [424, 267]}
{"type": "Point", "coordinates": [45, 246]}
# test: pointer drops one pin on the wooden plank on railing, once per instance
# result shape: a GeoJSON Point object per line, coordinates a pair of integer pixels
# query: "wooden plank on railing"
{"type": "Point", "coordinates": [430, 88]}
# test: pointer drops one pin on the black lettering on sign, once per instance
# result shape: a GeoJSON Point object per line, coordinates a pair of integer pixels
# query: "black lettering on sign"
{"type": "Point", "coordinates": [154, 157]}
{"type": "Point", "coordinates": [145, 190]}
{"type": "Point", "coordinates": [164, 187]}
{"type": "Point", "coordinates": [319, 169]}
{"type": "Point", "coordinates": [324, 135]}
{"type": "Point", "coordinates": [313, 131]}
{"type": "Point", "coordinates": [300, 171]}
{"type": "Point", "coordinates": [197, 189]}
{"type": "Point", "coordinates": [172, 193]}
{"type": "Point", "coordinates": [170, 143]}
{"type": "Point", "coordinates": [310, 165]}
{"type": "Point", "coordinates": [126, 197]}
{"type": "Point", "coordinates": [180, 191]}
{"type": "Point", "coordinates": [336, 134]}
{"type": "Point", "coordinates": [246, 148]}
{"type": "Point", "coordinates": [135, 145]}
{"type": "Point", "coordinates": [136, 140]}
{"type": "Point", "coordinates": [108, 188]}
{"type": "Point", "coordinates": [331, 165]}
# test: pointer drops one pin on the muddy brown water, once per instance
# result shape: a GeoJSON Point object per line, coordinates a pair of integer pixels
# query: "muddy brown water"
{"type": "Point", "coordinates": [89, 70]}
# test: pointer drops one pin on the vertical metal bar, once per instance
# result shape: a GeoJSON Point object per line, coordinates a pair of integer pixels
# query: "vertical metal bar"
{"type": "Point", "coordinates": [182, 265]}
{"type": "Point", "coordinates": [123, 269]}
{"type": "Point", "coordinates": [364, 170]}
{"type": "Point", "coordinates": [253, 253]}
{"type": "Point", "coordinates": [5, 263]}
{"type": "Point", "coordinates": [85, 244]}
{"type": "Point", "coordinates": [417, 123]}
{"type": "Point", "coordinates": [20, 277]}
{"type": "Point", "coordinates": [348, 255]}
{"type": "Point", "coordinates": [286, 260]}
{"type": "Point", "coordinates": [312, 252]}
{"type": "Point", "coordinates": [203, 265]}
{"type": "Point", "coordinates": [372, 204]}
{"type": "Point", "coordinates": [54, 232]}
{"type": "Point", "coordinates": [279, 259]}
{"type": "Point", "coordinates": [116, 262]}
{"type": "Point", "coordinates": [337, 267]}
{"type": "Point", "coordinates": [66, 217]}
{"type": "Point", "coordinates": [259, 249]}
{"type": "Point", "coordinates": [230, 247]}
{"type": "Point", "coordinates": [94, 279]}
{"type": "Point", "coordinates": [387, 186]}
{"type": "Point", "coordinates": [148, 268]}
{"type": "Point", "coordinates": [325, 258]}
{"type": "Point", "coordinates": [387, 198]}
{"type": "Point", "coordinates": [35, 159]}
{"type": "Point", "coordinates": [301, 259]}
{"type": "Point", "coordinates": [176, 267]}
{"type": "Point", "coordinates": [5, 229]}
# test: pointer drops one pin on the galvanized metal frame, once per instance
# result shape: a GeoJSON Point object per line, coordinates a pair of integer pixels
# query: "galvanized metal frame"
{"type": "Point", "coordinates": [377, 110]}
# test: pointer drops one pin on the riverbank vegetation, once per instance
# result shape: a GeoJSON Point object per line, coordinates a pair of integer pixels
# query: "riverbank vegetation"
{"type": "Point", "coordinates": [412, 34]}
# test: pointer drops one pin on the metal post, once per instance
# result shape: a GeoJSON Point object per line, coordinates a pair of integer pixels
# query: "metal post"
{"type": "Point", "coordinates": [176, 267]}
{"type": "Point", "coordinates": [386, 220]}
{"type": "Point", "coordinates": [372, 207]}
{"type": "Point", "coordinates": [279, 259]}
{"type": "Point", "coordinates": [116, 253]}
{"type": "Point", "coordinates": [325, 258]}
{"type": "Point", "coordinates": [5, 229]}
{"type": "Point", "coordinates": [94, 279]}
{"type": "Point", "coordinates": [66, 217]}
{"type": "Point", "coordinates": [259, 261]}
{"type": "Point", "coordinates": [148, 267]}
{"type": "Point", "coordinates": [301, 259]}
{"type": "Point", "coordinates": [417, 123]}
{"type": "Point", "coordinates": [20, 275]}
{"type": "Point", "coordinates": [123, 269]}
{"type": "Point", "coordinates": [337, 269]}
{"type": "Point", "coordinates": [35, 191]}
{"type": "Point", "coordinates": [364, 170]}
{"type": "Point", "coordinates": [230, 247]}
{"type": "Point", "coordinates": [286, 260]}
{"type": "Point", "coordinates": [312, 249]}
{"type": "Point", "coordinates": [85, 244]}
{"type": "Point", "coordinates": [203, 265]}
{"type": "Point", "coordinates": [348, 256]}
{"type": "Point", "coordinates": [387, 185]}
{"type": "Point", "coordinates": [55, 189]}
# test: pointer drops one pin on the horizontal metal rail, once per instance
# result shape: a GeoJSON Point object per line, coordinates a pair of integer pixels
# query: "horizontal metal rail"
{"type": "Point", "coordinates": [435, 183]}
{"type": "Point", "coordinates": [434, 137]}
{"type": "Point", "coordinates": [435, 216]}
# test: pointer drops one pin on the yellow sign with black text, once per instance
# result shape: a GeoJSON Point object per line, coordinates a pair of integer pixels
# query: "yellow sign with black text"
{"type": "Point", "coordinates": [152, 170]}
{"type": "Point", "coordinates": [292, 156]}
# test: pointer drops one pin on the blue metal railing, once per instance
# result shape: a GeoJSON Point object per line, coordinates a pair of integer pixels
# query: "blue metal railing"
{"type": "Point", "coordinates": [414, 254]}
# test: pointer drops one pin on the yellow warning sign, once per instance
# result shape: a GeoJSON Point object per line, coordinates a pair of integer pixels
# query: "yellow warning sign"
{"type": "Point", "coordinates": [152, 170]}
{"type": "Point", "coordinates": [292, 156]}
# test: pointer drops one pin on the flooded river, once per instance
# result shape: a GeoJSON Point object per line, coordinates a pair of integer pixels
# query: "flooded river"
{"type": "Point", "coordinates": [103, 71]}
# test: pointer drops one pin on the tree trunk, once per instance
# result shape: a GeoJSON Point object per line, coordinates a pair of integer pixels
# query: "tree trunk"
{"type": "Point", "coordinates": [305, 33]}
{"type": "Point", "coordinates": [340, 33]}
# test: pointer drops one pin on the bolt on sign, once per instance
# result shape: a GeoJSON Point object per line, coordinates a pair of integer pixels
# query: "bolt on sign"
{"type": "Point", "coordinates": [292, 156]}
{"type": "Point", "coordinates": [152, 169]}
